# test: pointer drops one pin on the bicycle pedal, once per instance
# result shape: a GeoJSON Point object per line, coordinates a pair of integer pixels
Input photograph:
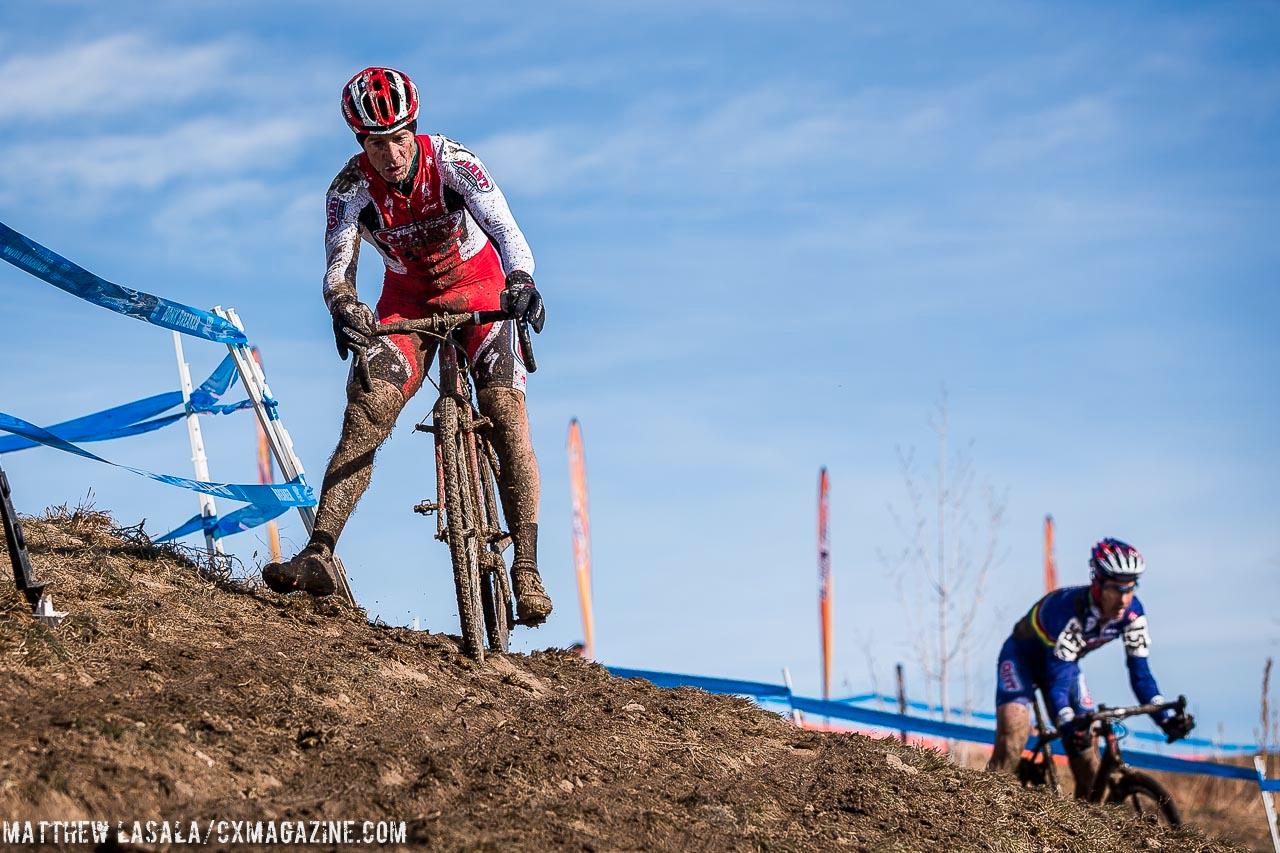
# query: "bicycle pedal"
{"type": "Point", "coordinates": [425, 508]}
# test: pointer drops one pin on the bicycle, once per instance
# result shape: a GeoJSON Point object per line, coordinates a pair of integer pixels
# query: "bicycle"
{"type": "Point", "coordinates": [467, 468]}
{"type": "Point", "coordinates": [1116, 782]}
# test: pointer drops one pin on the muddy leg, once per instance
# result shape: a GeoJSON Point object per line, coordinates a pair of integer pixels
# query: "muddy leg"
{"type": "Point", "coordinates": [367, 422]}
{"type": "Point", "coordinates": [519, 487]}
{"type": "Point", "coordinates": [519, 484]}
{"type": "Point", "coordinates": [1084, 767]}
{"type": "Point", "coordinates": [1013, 727]}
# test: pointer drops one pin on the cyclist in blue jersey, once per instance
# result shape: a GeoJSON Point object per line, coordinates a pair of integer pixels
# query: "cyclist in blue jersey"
{"type": "Point", "coordinates": [1045, 649]}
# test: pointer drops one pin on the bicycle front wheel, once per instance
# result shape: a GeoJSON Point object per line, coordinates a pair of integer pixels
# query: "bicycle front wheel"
{"type": "Point", "coordinates": [495, 596]}
{"type": "Point", "coordinates": [461, 524]}
{"type": "Point", "coordinates": [1146, 796]}
{"type": "Point", "coordinates": [495, 588]}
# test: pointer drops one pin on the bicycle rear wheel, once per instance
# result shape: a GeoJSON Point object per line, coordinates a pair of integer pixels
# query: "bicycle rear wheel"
{"type": "Point", "coordinates": [495, 586]}
{"type": "Point", "coordinates": [1146, 796]}
{"type": "Point", "coordinates": [461, 524]}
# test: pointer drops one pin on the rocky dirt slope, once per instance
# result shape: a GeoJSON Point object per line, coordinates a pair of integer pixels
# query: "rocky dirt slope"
{"type": "Point", "coordinates": [168, 697]}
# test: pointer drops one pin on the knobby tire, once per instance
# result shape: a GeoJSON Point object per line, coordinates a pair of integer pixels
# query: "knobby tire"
{"type": "Point", "coordinates": [495, 589]}
{"type": "Point", "coordinates": [1146, 796]}
{"type": "Point", "coordinates": [495, 595]}
{"type": "Point", "coordinates": [461, 525]}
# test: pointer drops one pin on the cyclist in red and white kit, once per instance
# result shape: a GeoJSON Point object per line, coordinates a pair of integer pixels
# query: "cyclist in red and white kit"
{"type": "Point", "coordinates": [450, 244]}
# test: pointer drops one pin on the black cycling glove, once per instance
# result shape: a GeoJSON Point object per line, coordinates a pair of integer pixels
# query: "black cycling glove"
{"type": "Point", "coordinates": [1077, 737]}
{"type": "Point", "coordinates": [1178, 726]}
{"type": "Point", "coordinates": [353, 323]}
{"type": "Point", "coordinates": [522, 301]}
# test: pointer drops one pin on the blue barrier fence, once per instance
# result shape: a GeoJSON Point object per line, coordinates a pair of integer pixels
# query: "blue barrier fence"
{"type": "Point", "coordinates": [1153, 737]}
{"type": "Point", "coordinates": [47, 265]}
{"type": "Point", "coordinates": [281, 494]}
{"type": "Point", "coordinates": [846, 710]}
{"type": "Point", "coordinates": [265, 501]}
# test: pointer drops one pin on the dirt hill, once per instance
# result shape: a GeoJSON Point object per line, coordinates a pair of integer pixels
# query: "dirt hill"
{"type": "Point", "coordinates": [167, 697]}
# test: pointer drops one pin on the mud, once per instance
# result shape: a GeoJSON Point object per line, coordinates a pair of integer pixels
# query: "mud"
{"type": "Point", "coordinates": [519, 484]}
{"type": "Point", "coordinates": [167, 697]}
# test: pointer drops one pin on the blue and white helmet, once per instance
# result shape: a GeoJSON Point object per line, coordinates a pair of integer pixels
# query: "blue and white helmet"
{"type": "Point", "coordinates": [1114, 560]}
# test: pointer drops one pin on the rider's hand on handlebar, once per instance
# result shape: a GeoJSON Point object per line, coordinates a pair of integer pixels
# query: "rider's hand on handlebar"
{"type": "Point", "coordinates": [353, 323]}
{"type": "Point", "coordinates": [522, 301]}
{"type": "Point", "coordinates": [1077, 736]}
{"type": "Point", "coordinates": [1178, 726]}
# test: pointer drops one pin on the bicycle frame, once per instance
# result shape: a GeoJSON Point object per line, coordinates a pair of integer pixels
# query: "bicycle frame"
{"type": "Point", "coordinates": [1114, 781]}
{"type": "Point", "coordinates": [466, 506]}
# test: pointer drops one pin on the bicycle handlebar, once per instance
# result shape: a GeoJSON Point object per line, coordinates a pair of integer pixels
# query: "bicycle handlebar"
{"type": "Point", "coordinates": [442, 324]}
{"type": "Point", "coordinates": [1105, 713]}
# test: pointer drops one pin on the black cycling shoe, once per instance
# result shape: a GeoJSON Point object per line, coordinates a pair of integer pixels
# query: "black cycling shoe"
{"type": "Point", "coordinates": [533, 605]}
{"type": "Point", "coordinates": [311, 571]}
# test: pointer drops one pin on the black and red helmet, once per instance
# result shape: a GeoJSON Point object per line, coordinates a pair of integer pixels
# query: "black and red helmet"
{"type": "Point", "coordinates": [1113, 560]}
{"type": "Point", "coordinates": [379, 101]}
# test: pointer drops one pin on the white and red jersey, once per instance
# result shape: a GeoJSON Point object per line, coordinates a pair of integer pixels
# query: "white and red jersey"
{"type": "Point", "coordinates": [437, 242]}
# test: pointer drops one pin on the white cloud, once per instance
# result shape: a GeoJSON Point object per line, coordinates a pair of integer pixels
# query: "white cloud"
{"type": "Point", "coordinates": [776, 132]}
{"type": "Point", "coordinates": [1073, 130]}
{"type": "Point", "coordinates": [204, 147]}
{"type": "Point", "coordinates": [122, 75]}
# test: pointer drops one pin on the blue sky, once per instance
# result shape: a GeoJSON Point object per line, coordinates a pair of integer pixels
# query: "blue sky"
{"type": "Point", "coordinates": [768, 235]}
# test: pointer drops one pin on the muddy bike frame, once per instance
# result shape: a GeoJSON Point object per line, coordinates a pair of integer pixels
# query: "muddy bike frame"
{"type": "Point", "coordinates": [467, 469]}
{"type": "Point", "coordinates": [1115, 782]}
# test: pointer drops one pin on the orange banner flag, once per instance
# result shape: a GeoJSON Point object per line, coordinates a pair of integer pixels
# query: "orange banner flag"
{"type": "Point", "coordinates": [1050, 564]}
{"type": "Point", "coordinates": [266, 476]}
{"type": "Point", "coordinates": [824, 582]}
{"type": "Point", "coordinates": [581, 533]}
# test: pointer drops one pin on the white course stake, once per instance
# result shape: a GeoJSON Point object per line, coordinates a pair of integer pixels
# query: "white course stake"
{"type": "Point", "coordinates": [208, 509]}
{"type": "Point", "coordinates": [796, 716]}
{"type": "Point", "coordinates": [255, 383]}
{"type": "Point", "coordinates": [1267, 802]}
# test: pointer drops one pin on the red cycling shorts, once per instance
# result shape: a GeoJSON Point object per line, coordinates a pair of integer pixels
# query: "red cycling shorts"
{"type": "Point", "coordinates": [492, 349]}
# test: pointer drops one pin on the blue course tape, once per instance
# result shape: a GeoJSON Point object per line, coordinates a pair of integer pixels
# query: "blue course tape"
{"type": "Point", "coordinates": [1169, 764]}
{"type": "Point", "coordinates": [892, 720]}
{"type": "Point", "coordinates": [132, 418]}
{"type": "Point", "coordinates": [711, 685]}
{"type": "Point", "coordinates": [90, 427]}
{"type": "Point", "coordinates": [1190, 742]}
{"type": "Point", "coordinates": [287, 494]}
{"type": "Point", "coordinates": [245, 518]}
{"type": "Point", "coordinates": [30, 256]}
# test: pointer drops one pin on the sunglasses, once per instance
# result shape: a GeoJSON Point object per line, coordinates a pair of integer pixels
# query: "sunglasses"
{"type": "Point", "coordinates": [1120, 587]}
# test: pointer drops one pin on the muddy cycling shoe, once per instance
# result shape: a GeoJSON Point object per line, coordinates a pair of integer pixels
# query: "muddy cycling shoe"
{"type": "Point", "coordinates": [311, 571]}
{"type": "Point", "coordinates": [533, 605]}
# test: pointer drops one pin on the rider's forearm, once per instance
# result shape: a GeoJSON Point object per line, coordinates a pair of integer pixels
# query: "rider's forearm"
{"type": "Point", "coordinates": [341, 247]}
{"type": "Point", "coordinates": [1142, 681]}
{"type": "Point", "coordinates": [340, 275]}
{"type": "Point", "coordinates": [1061, 675]}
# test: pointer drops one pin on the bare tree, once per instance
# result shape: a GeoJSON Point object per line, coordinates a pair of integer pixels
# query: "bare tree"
{"type": "Point", "coordinates": [950, 549]}
{"type": "Point", "coordinates": [1269, 733]}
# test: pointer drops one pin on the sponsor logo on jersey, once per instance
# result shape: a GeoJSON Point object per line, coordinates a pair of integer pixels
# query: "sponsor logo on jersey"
{"type": "Point", "coordinates": [1070, 643]}
{"type": "Point", "coordinates": [333, 212]}
{"type": "Point", "coordinates": [472, 173]}
{"type": "Point", "coordinates": [1009, 680]}
{"type": "Point", "coordinates": [431, 233]}
{"type": "Point", "coordinates": [1083, 696]}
